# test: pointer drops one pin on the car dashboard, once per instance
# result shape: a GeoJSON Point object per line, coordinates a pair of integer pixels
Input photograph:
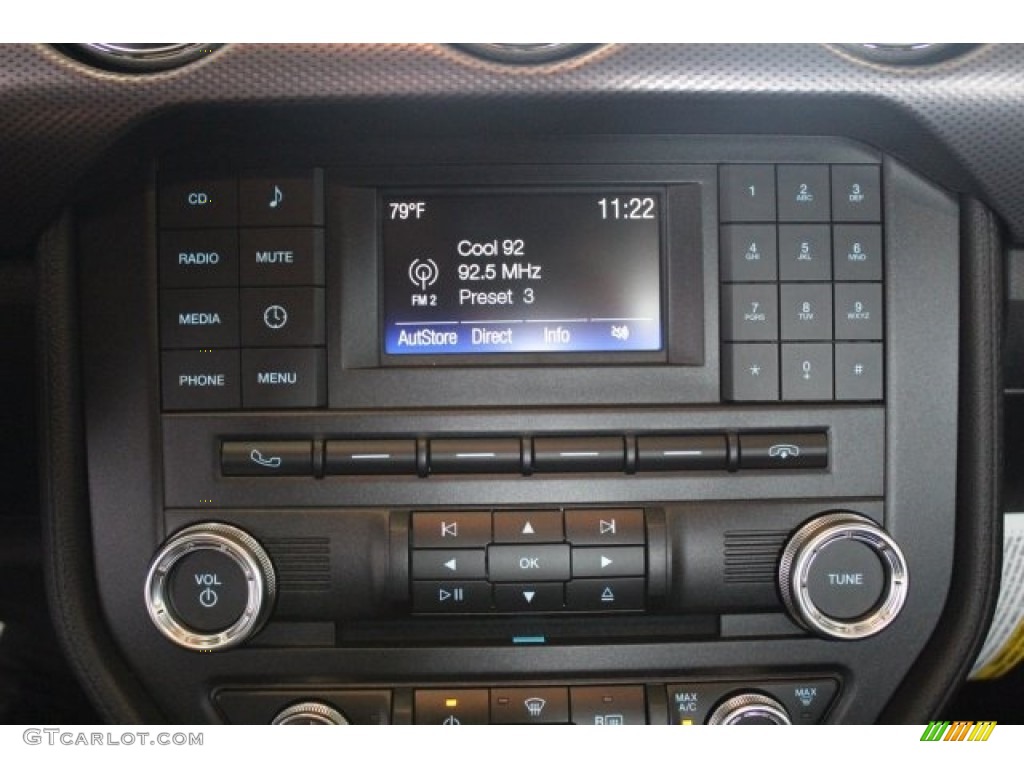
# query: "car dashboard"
{"type": "Point", "coordinates": [651, 384]}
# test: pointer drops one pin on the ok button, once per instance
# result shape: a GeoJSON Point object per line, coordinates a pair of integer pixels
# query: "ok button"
{"type": "Point", "coordinates": [542, 562]}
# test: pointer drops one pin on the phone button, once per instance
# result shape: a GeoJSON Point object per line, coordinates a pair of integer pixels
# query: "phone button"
{"type": "Point", "coordinates": [266, 458]}
{"type": "Point", "coordinates": [784, 450]}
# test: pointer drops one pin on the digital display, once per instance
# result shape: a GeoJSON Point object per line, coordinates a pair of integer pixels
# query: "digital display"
{"type": "Point", "coordinates": [522, 272]}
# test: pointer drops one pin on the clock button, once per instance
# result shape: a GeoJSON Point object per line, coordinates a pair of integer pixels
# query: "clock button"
{"type": "Point", "coordinates": [282, 317]}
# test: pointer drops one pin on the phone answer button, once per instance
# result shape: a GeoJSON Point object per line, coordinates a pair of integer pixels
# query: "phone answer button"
{"type": "Point", "coordinates": [266, 458]}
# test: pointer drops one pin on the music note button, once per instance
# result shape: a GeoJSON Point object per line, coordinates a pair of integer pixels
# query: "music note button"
{"type": "Point", "coordinates": [289, 198]}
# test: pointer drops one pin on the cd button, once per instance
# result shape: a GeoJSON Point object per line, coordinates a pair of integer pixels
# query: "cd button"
{"type": "Point", "coordinates": [600, 527]}
{"type": "Point", "coordinates": [544, 562]}
{"type": "Point", "coordinates": [451, 529]}
{"type": "Point", "coordinates": [193, 202]}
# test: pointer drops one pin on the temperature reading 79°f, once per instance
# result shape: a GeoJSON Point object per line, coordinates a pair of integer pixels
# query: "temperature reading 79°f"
{"type": "Point", "coordinates": [406, 209]}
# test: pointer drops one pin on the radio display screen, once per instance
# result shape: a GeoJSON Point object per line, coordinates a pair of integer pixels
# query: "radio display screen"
{"type": "Point", "coordinates": [482, 272]}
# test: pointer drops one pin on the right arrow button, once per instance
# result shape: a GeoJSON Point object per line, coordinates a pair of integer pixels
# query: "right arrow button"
{"type": "Point", "coordinates": [598, 562]}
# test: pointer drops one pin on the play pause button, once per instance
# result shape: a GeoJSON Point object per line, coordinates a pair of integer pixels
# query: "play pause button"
{"type": "Point", "coordinates": [451, 596]}
{"type": "Point", "coordinates": [531, 598]}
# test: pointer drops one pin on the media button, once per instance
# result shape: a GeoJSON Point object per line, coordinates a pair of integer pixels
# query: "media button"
{"type": "Point", "coordinates": [199, 318]}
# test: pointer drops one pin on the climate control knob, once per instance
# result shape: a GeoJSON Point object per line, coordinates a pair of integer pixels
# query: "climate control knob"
{"type": "Point", "coordinates": [749, 709]}
{"type": "Point", "coordinates": [211, 586]}
{"type": "Point", "coordinates": [841, 576]}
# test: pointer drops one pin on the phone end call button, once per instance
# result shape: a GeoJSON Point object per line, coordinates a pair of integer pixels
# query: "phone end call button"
{"type": "Point", "coordinates": [266, 458]}
{"type": "Point", "coordinates": [784, 450]}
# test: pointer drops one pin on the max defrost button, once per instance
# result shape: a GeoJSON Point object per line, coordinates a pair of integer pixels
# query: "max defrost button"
{"type": "Point", "coordinates": [201, 381]}
{"type": "Point", "coordinates": [267, 458]}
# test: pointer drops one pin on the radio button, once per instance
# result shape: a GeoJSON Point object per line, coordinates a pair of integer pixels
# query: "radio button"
{"type": "Point", "coordinates": [282, 317]}
{"type": "Point", "coordinates": [579, 454]}
{"type": "Point", "coordinates": [605, 595]}
{"type": "Point", "coordinates": [449, 530]}
{"type": "Point", "coordinates": [458, 456]}
{"type": "Point", "coordinates": [266, 458]}
{"type": "Point", "coordinates": [748, 253]}
{"type": "Point", "coordinates": [750, 372]}
{"type": "Point", "coordinates": [199, 258]}
{"type": "Point", "coordinates": [529, 598]}
{"type": "Point", "coordinates": [805, 252]}
{"type": "Point", "coordinates": [282, 256]}
{"type": "Point", "coordinates": [529, 706]}
{"type": "Point", "coordinates": [750, 312]}
{"type": "Point", "coordinates": [807, 450]}
{"type": "Point", "coordinates": [291, 198]}
{"type": "Point", "coordinates": [604, 527]}
{"type": "Point", "coordinates": [746, 193]}
{"type": "Point", "coordinates": [451, 596]}
{"type": "Point", "coordinates": [609, 705]}
{"type": "Point", "coordinates": [528, 527]}
{"type": "Point", "coordinates": [681, 452]}
{"type": "Point", "coordinates": [806, 372]}
{"type": "Point", "coordinates": [370, 457]}
{"type": "Point", "coordinates": [604, 562]}
{"type": "Point", "coordinates": [804, 193]}
{"type": "Point", "coordinates": [283, 378]}
{"type": "Point", "coordinates": [201, 381]}
{"type": "Point", "coordinates": [449, 564]}
{"type": "Point", "coordinates": [544, 562]}
{"type": "Point", "coordinates": [199, 318]}
{"type": "Point", "coordinates": [452, 707]}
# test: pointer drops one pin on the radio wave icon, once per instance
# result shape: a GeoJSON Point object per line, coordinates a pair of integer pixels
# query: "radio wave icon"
{"type": "Point", "coordinates": [423, 273]}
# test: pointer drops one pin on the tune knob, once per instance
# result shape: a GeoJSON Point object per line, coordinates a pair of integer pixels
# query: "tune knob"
{"type": "Point", "coordinates": [310, 713]}
{"type": "Point", "coordinates": [211, 586]}
{"type": "Point", "coordinates": [749, 709]}
{"type": "Point", "coordinates": [843, 577]}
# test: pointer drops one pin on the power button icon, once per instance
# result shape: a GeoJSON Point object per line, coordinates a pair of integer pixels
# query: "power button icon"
{"type": "Point", "coordinates": [208, 598]}
{"type": "Point", "coordinates": [208, 590]}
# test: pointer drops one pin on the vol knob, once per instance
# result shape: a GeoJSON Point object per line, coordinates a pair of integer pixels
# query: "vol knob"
{"type": "Point", "coordinates": [843, 577]}
{"type": "Point", "coordinates": [211, 586]}
{"type": "Point", "coordinates": [310, 713]}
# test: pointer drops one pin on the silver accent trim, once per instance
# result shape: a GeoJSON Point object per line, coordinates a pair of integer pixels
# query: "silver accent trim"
{"type": "Point", "coordinates": [735, 708]}
{"type": "Point", "coordinates": [805, 546]}
{"type": "Point", "coordinates": [525, 53]}
{"type": "Point", "coordinates": [310, 710]}
{"type": "Point", "coordinates": [140, 57]}
{"type": "Point", "coordinates": [247, 554]}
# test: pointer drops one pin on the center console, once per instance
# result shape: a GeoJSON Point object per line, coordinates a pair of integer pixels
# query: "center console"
{"type": "Point", "coordinates": [593, 430]}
